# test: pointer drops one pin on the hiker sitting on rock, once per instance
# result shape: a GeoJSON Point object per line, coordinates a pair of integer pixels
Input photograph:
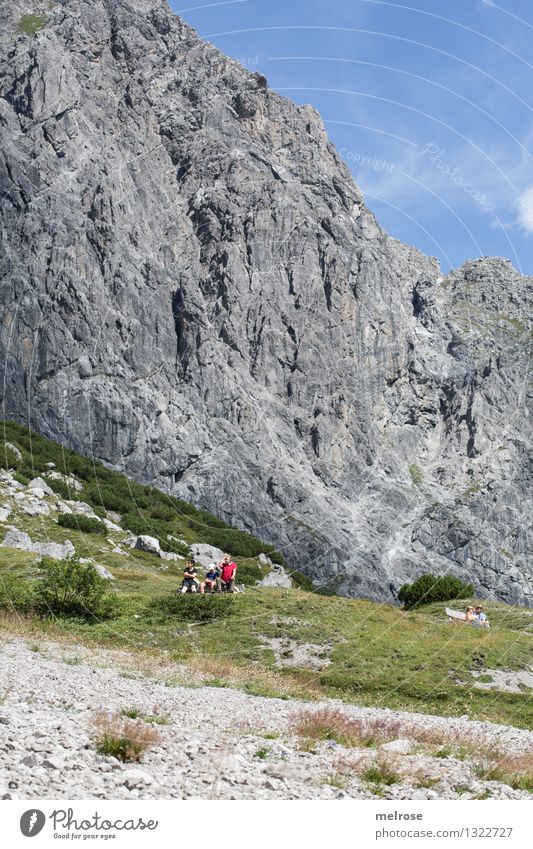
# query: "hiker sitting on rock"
{"type": "Point", "coordinates": [227, 574]}
{"type": "Point", "coordinates": [212, 580]}
{"type": "Point", "coordinates": [480, 618]}
{"type": "Point", "coordinates": [469, 615]}
{"type": "Point", "coordinates": [190, 578]}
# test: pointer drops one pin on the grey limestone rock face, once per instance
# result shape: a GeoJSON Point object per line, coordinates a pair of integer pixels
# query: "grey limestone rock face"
{"type": "Point", "coordinates": [194, 291]}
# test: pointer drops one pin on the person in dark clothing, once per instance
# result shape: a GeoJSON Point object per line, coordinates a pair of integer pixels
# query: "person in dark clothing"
{"type": "Point", "coordinates": [190, 581]}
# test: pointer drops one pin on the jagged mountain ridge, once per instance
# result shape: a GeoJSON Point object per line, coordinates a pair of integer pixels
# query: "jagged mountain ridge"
{"type": "Point", "coordinates": [194, 291]}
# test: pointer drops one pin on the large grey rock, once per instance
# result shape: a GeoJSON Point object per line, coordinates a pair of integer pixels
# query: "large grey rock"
{"type": "Point", "coordinates": [81, 508]}
{"type": "Point", "coordinates": [55, 550]}
{"type": "Point", "coordinates": [35, 508]}
{"type": "Point", "coordinates": [194, 291]}
{"type": "Point", "coordinates": [5, 512]}
{"type": "Point", "coordinates": [148, 543]}
{"type": "Point", "coordinates": [205, 554]}
{"type": "Point", "coordinates": [111, 526]}
{"type": "Point", "coordinates": [170, 555]}
{"type": "Point", "coordinates": [14, 449]}
{"type": "Point", "coordinates": [17, 539]}
{"type": "Point", "coordinates": [70, 480]}
{"type": "Point", "coordinates": [39, 485]}
{"type": "Point", "coordinates": [277, 578]}
{"type": "Point", "coordinates": [103, 572]}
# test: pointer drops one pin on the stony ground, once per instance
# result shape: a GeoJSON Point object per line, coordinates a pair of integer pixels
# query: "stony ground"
{"type": "Point", "coordinates": [214, 743]}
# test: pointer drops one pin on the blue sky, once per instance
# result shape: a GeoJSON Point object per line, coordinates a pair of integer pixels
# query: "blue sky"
{"type": "Point", "coordinates": [430, 104]}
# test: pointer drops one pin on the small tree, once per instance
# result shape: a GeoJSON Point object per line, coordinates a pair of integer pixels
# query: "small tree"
{"type": "Point", "coordinates": [71, 588]}
{"type": "Point", "coordinates": [430, 588]}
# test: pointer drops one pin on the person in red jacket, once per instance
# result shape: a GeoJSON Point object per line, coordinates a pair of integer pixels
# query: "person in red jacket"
{"type": "Point", "coordinates": [227, 574]}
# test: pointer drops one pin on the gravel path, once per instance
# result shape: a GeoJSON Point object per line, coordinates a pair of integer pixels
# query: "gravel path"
{"type": "Point", "coordinates": [217, 742]}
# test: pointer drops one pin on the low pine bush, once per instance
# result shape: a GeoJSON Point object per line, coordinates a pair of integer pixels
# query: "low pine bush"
{"type": "Point", "coordinates": [302, 582]}
{"type": "Point", "coordinates": [193, 608]}
{"type": "Point", "coordinates": [16, 594]}
{"type": "Point", "coordinates": [85, 524]}
{"type": "Point", "coordinates": [430, 588]}
{"type": "Point", "coordinates": [71, 588]}
{"type": "Point", "coordinates": [61, 487]}
{"type": "Point", "coordinates": [249, 574]}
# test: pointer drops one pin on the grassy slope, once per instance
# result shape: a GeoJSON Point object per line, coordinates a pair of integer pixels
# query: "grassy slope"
{"type": "Point", "coordinates": [380, 655]}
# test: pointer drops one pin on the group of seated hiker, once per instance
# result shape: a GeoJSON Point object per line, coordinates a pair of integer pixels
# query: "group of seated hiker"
{"type": "Point", "coordinates": [219, 578]}
{"type": "Point", "coordinates": [476, 616]}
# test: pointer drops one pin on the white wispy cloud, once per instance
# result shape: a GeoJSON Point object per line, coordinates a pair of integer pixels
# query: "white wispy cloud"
{"type": "Point", "coordinates": [525, 211]}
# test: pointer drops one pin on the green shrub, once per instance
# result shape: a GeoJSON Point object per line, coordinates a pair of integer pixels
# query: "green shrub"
{"type": "Point", "coordinates": [16, 594]}
{"type": "Point", "coordinates": [183, 507]}
{"type": "Point", "coordinates": [163, 514]}
{"type": "Point", "coordinates": [71, 588]}
{"type": "Point", "coordinates": [61, 487]}
{"type": "Point", "coordinates": [249, 574]}
{"type": "Point", "coordinates": [85, 524]}
{"type": "Point", "coordinates": [23, 479]}
{"type": "Point", "coordinates": [302, 581]}
{"type": "Point", "coordinates": [106, 497]}
{"type": "Point", "coordinates": [430, 588]}
{"type": "Point", "coordinates": [140, 525]}
{"type": "Point", "coordinates": [202, 520]}
{"type": "Point", "coordinates": [193, 608]}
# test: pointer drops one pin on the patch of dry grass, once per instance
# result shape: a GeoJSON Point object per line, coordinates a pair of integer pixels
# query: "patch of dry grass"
{"type": "Point", "coordinates": [333, 724]}
{"type": "Point", "coordinates": [514, 770]}
{"type": "Point", "coordinates": [123, 738]}
{"type": "Point", "coordinates": [260, 681]}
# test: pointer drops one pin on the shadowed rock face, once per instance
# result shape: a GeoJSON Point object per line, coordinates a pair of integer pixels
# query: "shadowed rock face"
{"type": "Point", "coordinates": [194, 291]}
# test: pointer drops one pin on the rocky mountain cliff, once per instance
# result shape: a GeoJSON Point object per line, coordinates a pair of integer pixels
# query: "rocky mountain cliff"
{"type": "Point", "coordinates": [194, 291]}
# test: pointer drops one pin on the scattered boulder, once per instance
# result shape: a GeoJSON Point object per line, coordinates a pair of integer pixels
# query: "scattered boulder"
{"type": "Point", "coordinates": [103, 572]}
{"type": "Point", "coordinates": [55, 550]}
{"type": "Point", "coordinates": [35, 508]}
{"type": "Point", "coordinates": [50, 465]}
{"type": "Point", "coordinates": [170, 555]}
{"type": "Point", "coordinates": [70, 480]}
{"type": "Point", "coordinates": [118, 550]}
{"type": "Point", "coordinates": [130, 540]}
{"type": "Point", "coordinates": [17, 539]}
{"type": "Point", "coordinates": [402, 746]}
{"type": "Point", "coordinates": [82, 508]}
{"type": "Point", "coordinates": [136, 778]}
{"type": "Point", "coordinates": [39, 485]}
{"type": "Point", "coordinates": [264, 559]}
{"type": "Point", "coordinates": [149, 544]}
{"type": "Point", "coordinates": [14, 449]}
{"type": "Point", "coordinates": [21, 540]}
{"type": "Point", "coordinates": [62, 507]}
{"type": "Point", "coordinates": [111, 526]}
{"type": "Point", "coordinates": [277, 578]}
{"type": "Point", "coordinates": [206, 554]}
{"type": "Point", "coordinates": [5, 512]}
